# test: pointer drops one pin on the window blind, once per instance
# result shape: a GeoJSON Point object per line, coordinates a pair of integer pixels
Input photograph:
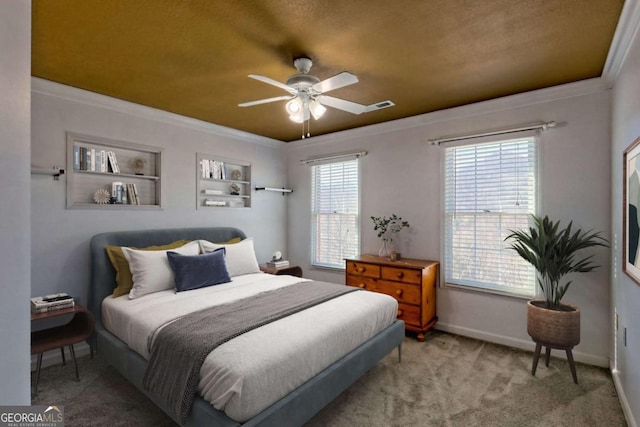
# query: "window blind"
{"type": "Point", "coordinates": [335, 213]}
{"type": "Point", "coordinates": [490, 189]}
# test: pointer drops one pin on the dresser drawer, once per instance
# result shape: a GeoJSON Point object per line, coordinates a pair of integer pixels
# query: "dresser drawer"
{"type": "Point", "coordinates": [409, 313]}
{"type": "Point", "coordinates": [367, 283]}
{"type": "Point", "coordinates": [363, 269]}
{"type": "Point", "coordinates": [406, 275]}
{"type": "Point", "coordinates": [408, 294]}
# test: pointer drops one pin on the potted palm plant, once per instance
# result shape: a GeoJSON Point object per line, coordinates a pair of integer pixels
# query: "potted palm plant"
{"type": "Point", "coordinates": [554, 252]}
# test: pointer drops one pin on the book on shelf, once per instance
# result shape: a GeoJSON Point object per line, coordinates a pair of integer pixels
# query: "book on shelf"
{"type": "Point", "coordinates": [113, 163]}
{"type": "Point", "coordinates": [209, 202]}
{"type": "Point", "coordinates": [135, 192]}
{"type": "Point", "coordinates": [278, 264]}
{"type": "Point", "coordinates": [209, 192]}
{"type": "Point", "coordinates": [76, 157]}
{"type": "Point", "coordinates": [216, 169]}
{"type": "Point", "coordinates": [47, 303]}
{"type": "Point", "coordinates": [133, 199]}
{"type": "Point", "coordinates": [103, 161]}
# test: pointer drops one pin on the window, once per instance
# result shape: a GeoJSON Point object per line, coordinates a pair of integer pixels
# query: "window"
{"type": "Point", "coordinates": [490, 188]}
{"type": "Point", "coordinates": [335, 209]}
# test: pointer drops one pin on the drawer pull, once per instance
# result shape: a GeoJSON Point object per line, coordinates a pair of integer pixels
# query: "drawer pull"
{"type": "Point", "coordinates": [399, 292]}
{"type": "Point", "coordinates": [362, 285]}
{"type": "Point", "coordinates": [400, 275]}
{"type": "Point", "coordinates": [399, 312]}
{"type": "Point", "coordinates": [360, 269]}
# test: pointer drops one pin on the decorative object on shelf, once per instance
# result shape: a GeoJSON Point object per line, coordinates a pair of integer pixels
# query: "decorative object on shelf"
{"type": "Point", "coordinates": [386, 228]}
{"type": "Point", "coordinates": [236, 174]}
{"type": "Point", "coordinates": [277, 256]}
{"type": "Point", "coordinates": [101, 196]}
{"type": "Point", "coordinates": [138, 164]}
{"type": "Point", "coordinates": [234, 189]}
{"type": "Point", "coordinates": [395, 256]}
{"type": "Point", "coordinates": [554, 252]}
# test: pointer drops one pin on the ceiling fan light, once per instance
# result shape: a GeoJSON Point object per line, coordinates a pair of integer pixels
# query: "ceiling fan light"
{"type": "Point", "coordinates": [294, 106]}
{"type": "Point", "coordinates": [317, 109]}
{"type": "Point", "coordinates": [297, 117]}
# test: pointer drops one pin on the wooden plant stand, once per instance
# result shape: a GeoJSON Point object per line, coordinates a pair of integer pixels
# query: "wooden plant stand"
{"type": "Point", "coordinates": [568, 349]}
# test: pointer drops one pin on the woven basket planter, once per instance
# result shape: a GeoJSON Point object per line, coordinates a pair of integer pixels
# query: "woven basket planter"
{"type": "Point", "coordinates": [557, 328]}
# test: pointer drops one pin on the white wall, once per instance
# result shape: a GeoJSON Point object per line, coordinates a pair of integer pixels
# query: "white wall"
{"type": "Point", "coordinates": [402, 175]}
{"type": "Point", "coordinates": [15, 83]}
{"type": "Point", "coordinates": [60, 248]}
{"type": "Point", "coordinates": [626, 293]}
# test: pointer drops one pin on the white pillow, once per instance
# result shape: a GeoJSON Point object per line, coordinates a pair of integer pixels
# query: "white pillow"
{"type": "Point", "coordinates": [239, 257]}
{"type": "Point", "coordinates": [151, 271]}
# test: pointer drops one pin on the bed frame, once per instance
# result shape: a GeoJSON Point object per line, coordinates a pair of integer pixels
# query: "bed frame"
{"type": "Point", "coordinates": [294, 409]}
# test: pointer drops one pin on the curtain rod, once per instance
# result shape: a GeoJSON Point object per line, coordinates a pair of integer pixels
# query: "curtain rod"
{"type": "Point", "coordinates": [355, 154]}
{"type": "Point", "coordinates": [536, 126]}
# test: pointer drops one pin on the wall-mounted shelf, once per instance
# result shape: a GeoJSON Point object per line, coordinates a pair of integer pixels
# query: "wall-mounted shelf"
{"type": "Point", "coordinates": [55, 172]}
{"type": "Point", "coordinates": [222, 182]}
{"type": "Point", "coordinates": [278, 190]}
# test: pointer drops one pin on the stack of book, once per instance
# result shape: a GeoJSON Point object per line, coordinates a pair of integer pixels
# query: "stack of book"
{"type": "Point", "coordinates": [278, 264]}
{"type": "Point", "coordinates": [51, 302]}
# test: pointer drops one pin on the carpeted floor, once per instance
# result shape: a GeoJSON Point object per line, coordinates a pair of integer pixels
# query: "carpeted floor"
{"type": "Point", "coordinates": [446, 381]}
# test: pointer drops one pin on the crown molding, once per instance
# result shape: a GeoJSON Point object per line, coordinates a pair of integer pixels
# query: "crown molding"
{"type": "Point", "coordinates": [540, 96]}
{"type": "Point", "coordinates": [70, 93]}
{"type": "Point", "coordinates": [626, 30]}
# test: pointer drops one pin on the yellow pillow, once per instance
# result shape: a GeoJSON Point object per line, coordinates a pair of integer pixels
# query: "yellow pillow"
{"type": "Point", "coordinates": [229, 242]}
{"type": "Point", "coordinates": [121, 265]}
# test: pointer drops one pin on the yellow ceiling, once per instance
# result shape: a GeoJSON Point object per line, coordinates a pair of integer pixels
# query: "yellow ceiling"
{"type": "Point", "coordinates": [192, 57]}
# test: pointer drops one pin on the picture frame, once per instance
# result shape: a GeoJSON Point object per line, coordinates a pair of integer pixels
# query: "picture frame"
{"type": "Point", "coordinates": [631, 211]}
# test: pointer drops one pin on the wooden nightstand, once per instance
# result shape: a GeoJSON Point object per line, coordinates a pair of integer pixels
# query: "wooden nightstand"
{"type": "Point", "coordinates": [78, 329]}
{"type": "Point", "coordinates": [291, 270]}
{"type": "Point", "coordinates": [412, 282]}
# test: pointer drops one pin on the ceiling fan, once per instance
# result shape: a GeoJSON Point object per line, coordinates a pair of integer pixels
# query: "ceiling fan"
{"type": "Point", "coordinates": [307, 93]}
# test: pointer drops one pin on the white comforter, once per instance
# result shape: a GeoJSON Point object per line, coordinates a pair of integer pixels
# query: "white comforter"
{"type": "Point", "coordinates": [247, 374]}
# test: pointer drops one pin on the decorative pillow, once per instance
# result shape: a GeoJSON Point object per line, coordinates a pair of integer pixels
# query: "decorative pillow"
{"type": "Point", "coordinates": [198, 271]}
{"type": "Point", "coordinates": [240, 257]}
{"type": "Point", "coordinates": [121, 265]}
{"type": "Point", "coordinates": [150, 270]}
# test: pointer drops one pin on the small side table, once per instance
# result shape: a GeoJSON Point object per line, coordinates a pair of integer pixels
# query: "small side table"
{"type": "Point", "coordinates": [78, 329]}
{"type": "Point", "coordinates": [291, 270]}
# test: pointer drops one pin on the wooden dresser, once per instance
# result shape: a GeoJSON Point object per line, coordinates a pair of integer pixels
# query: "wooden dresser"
{"type": "Point", "coordinates": [410, 281]}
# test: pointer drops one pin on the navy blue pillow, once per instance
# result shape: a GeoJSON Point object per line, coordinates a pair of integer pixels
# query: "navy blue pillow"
{"type": "Point", "coordinates": [198, 271]}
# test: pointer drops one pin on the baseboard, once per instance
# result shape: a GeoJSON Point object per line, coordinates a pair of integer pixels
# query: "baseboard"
{"type": "Point", "coordinates": [53, 357]}
{"type": "Point", "coordinates": [589, 359]}
{"type": "Point", "coordinates": [626, 409]}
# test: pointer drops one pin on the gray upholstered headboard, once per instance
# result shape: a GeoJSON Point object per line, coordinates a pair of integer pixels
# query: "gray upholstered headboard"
{"type": "Point", "coordinates": [103, 275]}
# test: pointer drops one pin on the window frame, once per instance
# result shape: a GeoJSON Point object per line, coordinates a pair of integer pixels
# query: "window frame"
{"type": "Point", "coordinates": [498, 289]}
{"type": "Point", "coordinates": [340, 264]}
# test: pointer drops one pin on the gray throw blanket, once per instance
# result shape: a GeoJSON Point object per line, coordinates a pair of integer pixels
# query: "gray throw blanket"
{"type": "Point", "coordinates": [181, 346]}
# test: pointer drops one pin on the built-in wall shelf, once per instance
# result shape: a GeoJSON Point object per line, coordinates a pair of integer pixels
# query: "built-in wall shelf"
{"type": "Point", "coordinates": [222, 182]}
{"type": "Point", "coordinates": [107, 174]}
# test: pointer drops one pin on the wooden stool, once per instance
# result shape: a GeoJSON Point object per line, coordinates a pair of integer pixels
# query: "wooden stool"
{"type": "Point", "coordinates": [536, 356]}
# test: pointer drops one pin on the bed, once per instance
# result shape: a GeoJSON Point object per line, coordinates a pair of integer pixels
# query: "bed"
{"type": "Point", "coordinates": [294, 408]}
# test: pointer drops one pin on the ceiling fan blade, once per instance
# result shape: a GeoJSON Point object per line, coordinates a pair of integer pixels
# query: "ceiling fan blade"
{"type": "Point", "coordinates": [342, 104]}
{"type": "Point", "coordinates": [264, 101]}
{"type": "Point", "coordinates": [332, 83]}
{"type": "Point", "coordinates": [272, 82]}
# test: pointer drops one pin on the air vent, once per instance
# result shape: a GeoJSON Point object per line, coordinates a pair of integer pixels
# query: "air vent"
{"type": "Point", "coordinates": [379, 106]}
